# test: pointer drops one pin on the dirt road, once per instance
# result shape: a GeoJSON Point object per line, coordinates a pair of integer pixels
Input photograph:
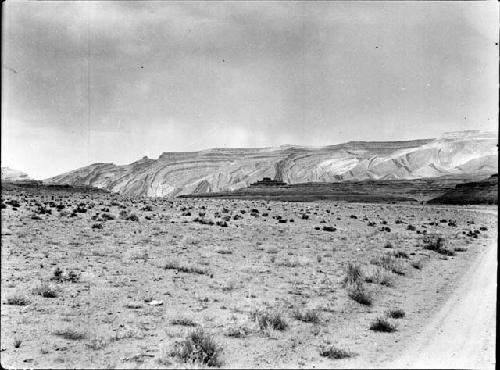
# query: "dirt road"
{"type": "Point", "coordinates": [462, 334]}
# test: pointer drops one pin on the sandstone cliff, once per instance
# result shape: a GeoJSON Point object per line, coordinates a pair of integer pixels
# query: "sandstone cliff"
{"type": "Point", "coordinates": [213, 170]}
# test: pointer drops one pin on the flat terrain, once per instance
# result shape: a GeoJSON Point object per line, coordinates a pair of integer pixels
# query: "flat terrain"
{"type": "Point", "coordinates": [369, 191]}
{"type": "Point", "coordinates": [97, 280]}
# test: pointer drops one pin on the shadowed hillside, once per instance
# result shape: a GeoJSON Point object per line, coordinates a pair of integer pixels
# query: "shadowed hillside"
{"type": "Point", "coordinates": [479, 192]}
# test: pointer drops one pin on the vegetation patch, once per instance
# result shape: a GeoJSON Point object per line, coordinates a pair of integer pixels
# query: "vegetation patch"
{"type": "Point", "coordinates": [199, 348]}
{"type": "Point", "coordinates": [360, 294]}
{"type": "Point", "coordinates": [269, 320]}
{"type": "Point", "coordinates": [336, 353]}
{"type": "Point", "coordinates": [183, 321]}
{"type": "Point", "coordinates": [311, 316]}
{"type": "Point", "coordinates": [382, 325]}
{"type": "Point", "coordinates": [396, 313]}
{"type": "Point", "coordinates": [46, 291]}
{"type": "Point", "coordinates": [70, 334]}
{"type": "Point", "coordinates": [390, 263]}
{"type": "Point", "coordinates": [175, 265]}
{"type": "Point", "coordinates": [18, 300]}
{"type": "Point", "coordinates": [436, 243]}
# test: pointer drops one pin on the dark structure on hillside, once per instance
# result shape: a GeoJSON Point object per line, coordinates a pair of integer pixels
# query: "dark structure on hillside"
{"type": "Point", "coordinates": [266, 181]}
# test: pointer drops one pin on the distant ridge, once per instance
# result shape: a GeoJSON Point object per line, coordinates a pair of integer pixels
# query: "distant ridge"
{"type": "Point", "coordinates": [465, 153]}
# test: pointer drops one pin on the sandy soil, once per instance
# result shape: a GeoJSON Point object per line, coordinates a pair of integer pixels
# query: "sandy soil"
{"type": "Point", "coordinates": [219, 276]}
{"type": "Point", "coordinates": [462, 333]}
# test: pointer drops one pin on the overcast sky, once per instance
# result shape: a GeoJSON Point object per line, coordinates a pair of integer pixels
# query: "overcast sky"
{"type": "Point", "coordinates": [86, 82]}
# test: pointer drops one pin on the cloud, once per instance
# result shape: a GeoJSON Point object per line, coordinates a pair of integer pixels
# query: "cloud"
{"type": "Point", "coordinates": [163, 76]}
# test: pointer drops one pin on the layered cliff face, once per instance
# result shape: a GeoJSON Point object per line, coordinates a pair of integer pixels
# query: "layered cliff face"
{"type": "Point", "coordinates": [462, 153]}
{"type": "Point", "coordinates": [8, 174]}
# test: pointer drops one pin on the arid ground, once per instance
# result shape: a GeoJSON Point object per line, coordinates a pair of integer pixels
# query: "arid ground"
{"type": "Point", "coordinates": [101, 281]}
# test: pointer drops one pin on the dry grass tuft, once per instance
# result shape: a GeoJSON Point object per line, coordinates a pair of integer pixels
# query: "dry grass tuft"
{"type": "Point", "coordinates": [199, 348]}
{"type": "Point", "coordinates": [70, 334]}
{"type": "Point", "coordinates": [269, 320]}
{"type": "Point", "coordinates": [311, 316]}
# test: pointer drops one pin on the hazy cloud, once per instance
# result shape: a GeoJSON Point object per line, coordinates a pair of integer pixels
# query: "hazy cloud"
{"type": "Point", "coordinates": [113, 81]}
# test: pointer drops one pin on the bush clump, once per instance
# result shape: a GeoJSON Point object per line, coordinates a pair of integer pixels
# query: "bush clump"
{"type": "Point", "coordinates": [336, 353]}
{"type": "Point", "coordinates": [18, 300]}
{"type": "Point", "coordinates": [382, 325]}
{"type": "Point", "coordinates": [269, 319]}
{"type": "Point", "coordinates": [311, 316]}
{"type": "Point", "coordinates": [396, 313]}
{"type": "Point", "coordinates": [436, 243]}
{"type": "Point", "coordinates": [199, 348]}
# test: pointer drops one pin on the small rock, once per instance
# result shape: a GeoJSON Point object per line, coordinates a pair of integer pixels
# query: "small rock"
{"type": "Point", "coordinates": [155, 303]}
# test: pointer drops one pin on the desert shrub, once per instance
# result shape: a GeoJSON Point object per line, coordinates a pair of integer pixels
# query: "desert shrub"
{"type": "Point", "coordinates": [411, 227]}
{"type": "Point", "coordinates": [358, 293]}
{"type": "Point", "coordinates": [80, 209]}
{"type": "Point", "coordinates": [203, 221]}
{"type": "Point", "coordinates": [336, 353]}
{"type": "Point", "coordinates": [382, 325]}
{"type": "Point", "coordinates": [390, 263]}
{"type": "Point", "coordinates": [97, 343]}
{"type": "Point", "coordinates": [58, 274]}
{"type": "Point", "coordinates": [70, 276]}
{"type": "Point", "coordinates": [354, 274]}
{"type": "Point", "coordinates": [436, 243]}
{"type": "Point", "coordinates": [175, 265]}
{"type": "Point", "coordinates": [311, 316]}
{"type": "Point", "coordinates": [221, 223]}
{"type": "Point", "coordinates": [238, 332]}
{"type": "Point", "coordinates": [46, 290]}
{"type": "Point", "coordinates": [269, 319]}
{"type": "Point", "coordinates": [199, 348]}
{"type": "Point", "coordinates": [396, 313]}
{"type": "Point", "coordinates": [380, 276]}
{"type": "Point", "coordinates": [107, 217]}
{"type": "Point", "coordinates": [183, 321]}
{"type": "Point", "coordinates": [97, 226]}
{"type": "Point", "coordinates": [133, 217]}
{"type": "Point", "coordinates": [417, 264]}
{"type": "Point", "coordinates": [329, 228]}
{"type": "Point", "coordinates": [13, 203]}
{"type": "Point", "coordinates": [401, 254]}
{"type": "Point", "coordinates": [18, 300]}
{"type": "Point", "coordinates": [70, 334]}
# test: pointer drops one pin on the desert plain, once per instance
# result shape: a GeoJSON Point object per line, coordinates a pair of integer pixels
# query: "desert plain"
{"type": "Point", "coordinates": [99, 280]}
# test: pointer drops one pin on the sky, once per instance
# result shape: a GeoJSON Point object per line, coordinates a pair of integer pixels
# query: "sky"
{"type": "Point", "coordinates": [86, 82]}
